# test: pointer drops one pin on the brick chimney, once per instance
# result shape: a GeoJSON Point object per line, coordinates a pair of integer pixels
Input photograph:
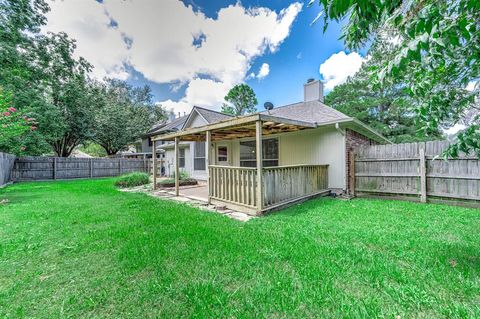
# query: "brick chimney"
{"type": "Point", "coordinates": [313, 90]}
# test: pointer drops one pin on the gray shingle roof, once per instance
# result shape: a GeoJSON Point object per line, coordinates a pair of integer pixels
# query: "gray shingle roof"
{"type": "Point", "coordinates": [312, 111]}
{"type": "Point", "coordinates": [168, 127]}
{"type": "Point", "coordinates": [212, 116]}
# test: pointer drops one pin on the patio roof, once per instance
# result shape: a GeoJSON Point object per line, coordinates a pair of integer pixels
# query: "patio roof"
{"type": "Point", "coordinates": [238, 127]}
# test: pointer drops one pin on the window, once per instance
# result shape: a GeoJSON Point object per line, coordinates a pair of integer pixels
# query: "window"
{"type": "Point", "coordinates": [222, 154]}
{"type": "Point", "coordinates": [248, 153]}
{"type": "Point", "coordinates": [181, 158]}
{"type": "Point", "coordinates": [150, 143]}
{"type": "Point", "coordinates": [199, 156]}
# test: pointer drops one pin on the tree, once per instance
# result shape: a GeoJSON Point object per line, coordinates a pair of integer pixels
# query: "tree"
{"type": "Point", "coordinates": [438, 55]}
{"type": "Point", "coordinates": [241, 99]}
{"type": "Point", "coordinates": [124, 114]}
{"type": "Point", "coordinates": [20, 72]}
{"type": "Point", "coordinates": [66, 117]}
{"type": "Point", "coordinates": [383, 108]}
{"type": "Point", "coordinates": [13, 125]}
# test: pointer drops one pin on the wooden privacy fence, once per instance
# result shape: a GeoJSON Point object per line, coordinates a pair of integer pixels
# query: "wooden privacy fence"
{"type": "Point", "coordinates": [6, 165]}
{"type": "Point", "coordinates": [43, 168]}
{"type": "Point", "coordinates": [415, 170]}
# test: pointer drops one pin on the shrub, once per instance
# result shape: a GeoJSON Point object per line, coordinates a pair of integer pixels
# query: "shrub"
{"type": "Point", "coordinates": [132, 179]}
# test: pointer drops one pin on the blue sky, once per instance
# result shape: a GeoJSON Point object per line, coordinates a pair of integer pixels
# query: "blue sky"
{"type": "Point", "coordinates": [192, 52]}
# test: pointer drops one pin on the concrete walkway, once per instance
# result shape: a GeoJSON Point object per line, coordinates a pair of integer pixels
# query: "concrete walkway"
{"type": "Point", "coordinates": [196, 196]}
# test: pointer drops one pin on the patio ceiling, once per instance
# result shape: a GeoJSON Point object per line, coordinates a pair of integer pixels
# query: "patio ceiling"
{"type": "Point", "coordinates": [238, 128]}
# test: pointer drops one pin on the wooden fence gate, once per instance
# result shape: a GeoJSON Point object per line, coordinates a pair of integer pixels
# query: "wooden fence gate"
{"type": "Point", "coordinates": [417, 171]}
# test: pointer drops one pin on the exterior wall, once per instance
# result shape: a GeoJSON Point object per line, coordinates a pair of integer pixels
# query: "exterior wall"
{"type": "Point", "coordinates": [318, 146]}
{"type": "Point", "coordinates": [170, 160]}
{"type": "Point", "coordinates": [353, 140]}
{"type": "Point", "coordinates": [145, 147]}
{"type": "Point", "coordinates": [196, 121]}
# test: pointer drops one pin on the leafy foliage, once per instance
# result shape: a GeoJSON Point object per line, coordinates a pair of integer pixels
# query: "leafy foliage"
{"type": "Point", "coordinates": [52, 86]}
{"type": "Point", "coordinates": [438, 55]}
{"type": "Point", "coordinates": [384, 108]}
{"type": "Point", "coordinates": [132, 180]}
{"type": "Point", "coordinates": [124, 113]}
{"type": "Point", "coordinates": [13, 125]}
{"type": "Point", "coordinates": [241, 100]}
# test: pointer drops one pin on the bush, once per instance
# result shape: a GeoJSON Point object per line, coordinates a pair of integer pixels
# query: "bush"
{"type": "Point", "coordinates": [132, 179]}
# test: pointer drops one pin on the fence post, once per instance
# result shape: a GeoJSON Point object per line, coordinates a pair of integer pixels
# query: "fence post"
{"type": "Point", "coordinates": [423, 176]}
{"type": "Point", "coordinates": [90, 166]}
{"type": "Point", "coordinates": [54, 168]}
{"type": "Point", "coordinates": [352, 172]}
{"type": "Point", "coordinates": [120, 166]}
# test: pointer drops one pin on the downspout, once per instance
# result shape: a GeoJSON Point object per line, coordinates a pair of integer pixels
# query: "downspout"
{"type": "Point", "coordinates": [337, 127]}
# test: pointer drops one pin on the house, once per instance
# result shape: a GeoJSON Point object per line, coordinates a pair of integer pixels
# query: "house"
{"type": "Point", "coordinates": [262, 161]}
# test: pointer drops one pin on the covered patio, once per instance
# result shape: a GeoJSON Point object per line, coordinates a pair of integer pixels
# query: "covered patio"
{"type": "Point", "coordinates": [253, 190]}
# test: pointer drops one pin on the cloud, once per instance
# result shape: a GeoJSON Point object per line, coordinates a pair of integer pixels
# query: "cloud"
{"type": "Point", "coordinates": [170, 42]}
{"type": "Point", "coordinates": [97, 40]}
{"type": "Point", "coordinates": [454, 129]}
{"type": "Point", "coordinates": [264, 71]}
{"type": "Point", "coordinates": [338, 67]}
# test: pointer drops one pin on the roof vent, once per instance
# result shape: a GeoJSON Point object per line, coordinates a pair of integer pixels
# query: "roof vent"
{"type": "Point", "coordinates": [268, 106]}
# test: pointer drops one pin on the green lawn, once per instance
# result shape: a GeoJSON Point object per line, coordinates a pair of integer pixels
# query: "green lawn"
{"type": "Point", "coordinates": [84, 249]}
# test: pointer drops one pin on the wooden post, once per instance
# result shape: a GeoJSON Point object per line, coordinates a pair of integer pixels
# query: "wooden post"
{"type": "Point", "coordinates": [154, 168]}
{"type": "Point", "coordinates": [423, 176]}
{"type": "Point", "coordinates": [259, 150]}
{"type": "Point", "coordinates": [177, 169]}
{"type": "Point", "coordinates": [145, 167]}
{"type": "Point", "coordinates": [207, 158]}
{"type": "Point", "coordinates": [90, 166]}
{"type": "Point", "coordinates": [54, 168]}
{"type": "Point", "coordinates": [120, 166]}
{"type": "Point", "coordinates": [352, 172]}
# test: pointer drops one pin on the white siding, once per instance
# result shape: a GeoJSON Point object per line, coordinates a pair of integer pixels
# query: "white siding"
{"type": "Point", "coordinates": [318, 146]}
{"type": "Point", "coordinates": [195, 121]}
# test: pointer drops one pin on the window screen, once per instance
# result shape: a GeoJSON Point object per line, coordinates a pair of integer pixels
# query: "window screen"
{"type": "Point", "coordinates": [248, 153]}
{"type": "Point", "coordinates": [199, 156]}
{"type": "Point", "coordinates": [222, 154]}
{"type": "Point", "coordinates": [181, 158]}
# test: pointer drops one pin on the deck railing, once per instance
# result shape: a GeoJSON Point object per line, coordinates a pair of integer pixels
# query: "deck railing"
{"type": "Point", "coordinates": [284, 183]}
{"type": "Point", "coordinates": [281, 184]}
{"type": "Point", "coordinates": [233, 184]}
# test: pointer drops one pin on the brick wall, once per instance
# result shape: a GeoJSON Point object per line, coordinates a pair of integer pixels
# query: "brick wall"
{"type": "Point", "coordinates": [353, 140]}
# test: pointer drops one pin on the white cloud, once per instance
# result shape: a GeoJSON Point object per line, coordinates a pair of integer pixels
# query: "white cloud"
{"type": "Point", "coordinates": [264, 71]}
{"type": "Point", "coordinates": [471, 86]}
{"type": "Point", "coordinates": [89, 24]}
{"type": "Point", "coordinates": [455, 129]}
{"type": "Point", "coordinates": [338, 67]}
{"type": "Point", "coordinates": [169, 42]}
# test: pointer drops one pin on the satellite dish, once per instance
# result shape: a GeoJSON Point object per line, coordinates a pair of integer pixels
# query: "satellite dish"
{"type": "Point", "coordinates": [268, 106]}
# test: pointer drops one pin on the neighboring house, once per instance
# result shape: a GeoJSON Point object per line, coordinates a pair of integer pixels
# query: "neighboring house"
{"type": "Point", "coordinates": [192, 154]}
{"type": "Point", "coordinates": [305, 151]}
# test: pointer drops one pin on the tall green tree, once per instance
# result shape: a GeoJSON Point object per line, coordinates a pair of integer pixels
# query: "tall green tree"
{"type": "Point", "coordinates": [66, 118]}
{"type": "Point", "coordinates": [438, 55]}
{"type": "Point", "coordinates": [20, 71]}
{"type": "Point", "coordinates": [123, 114]}
{"type": "Point", "coordinates": [241, 99]}
{"type": "Point", "coordinates": [384, 108]}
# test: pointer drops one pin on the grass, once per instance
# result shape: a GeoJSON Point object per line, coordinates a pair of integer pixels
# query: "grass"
{"type": "Point", "coordinates": [132, 179]}
{"type": "Point", "coordinates": [84, 249]}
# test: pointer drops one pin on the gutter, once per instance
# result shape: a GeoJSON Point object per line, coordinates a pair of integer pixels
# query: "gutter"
{"type": "Point", "coordinates": [337, 127]}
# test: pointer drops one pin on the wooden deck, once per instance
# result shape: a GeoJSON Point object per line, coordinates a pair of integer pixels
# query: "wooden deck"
{"type": "Point", "coordinates": [282, 185]}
